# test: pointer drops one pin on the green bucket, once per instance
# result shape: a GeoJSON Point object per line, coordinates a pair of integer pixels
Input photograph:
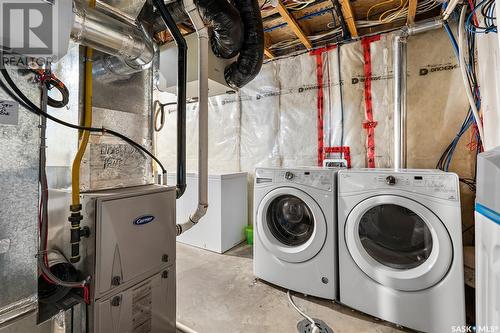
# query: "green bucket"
{"type": "Point", "coordinates": [249, 234]}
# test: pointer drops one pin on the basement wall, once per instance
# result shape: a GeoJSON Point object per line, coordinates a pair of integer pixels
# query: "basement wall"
{"type": "Point", "coordinates": [273, 120]}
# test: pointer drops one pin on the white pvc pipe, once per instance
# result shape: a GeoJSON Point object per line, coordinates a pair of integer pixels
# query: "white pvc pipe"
{"type": "Point", "coordinates": [203, 40]}
{"type": "Point", "coordinates": [180, 326]}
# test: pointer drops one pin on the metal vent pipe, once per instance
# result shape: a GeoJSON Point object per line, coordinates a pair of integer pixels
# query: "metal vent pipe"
{"type": "Point", "coordinates": [400, 87]}
{"type": "Point", "coordinates": [104, 33]}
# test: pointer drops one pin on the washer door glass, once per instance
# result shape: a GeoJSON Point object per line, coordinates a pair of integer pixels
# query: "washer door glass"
{"type": "Point", "coordinates": [290, 224]}
{"type": "Point", "coordinates": [398, 242]}
{"type": "Point", "coordinates": [290, 220]}
{"type": "Point", "coordinates": [395, 236]}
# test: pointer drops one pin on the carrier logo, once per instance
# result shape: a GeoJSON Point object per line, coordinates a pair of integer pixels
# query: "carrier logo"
{"type": "Point", "coordinates": [144, 220]}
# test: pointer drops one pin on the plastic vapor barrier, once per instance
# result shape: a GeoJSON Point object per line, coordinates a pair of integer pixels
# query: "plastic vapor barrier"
{"type": "Point", "coordinates": [298, 112]}
{"type": "Point", "coordinates": [437, 106]}
{"type": "Point", "coordinates": [273, 121]}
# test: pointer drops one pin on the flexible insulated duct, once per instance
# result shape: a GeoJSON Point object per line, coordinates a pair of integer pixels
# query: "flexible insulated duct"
{"type": "Point", "coordinates": [249, 62]}
{"type": "Point", "coordinates": [226, 27]}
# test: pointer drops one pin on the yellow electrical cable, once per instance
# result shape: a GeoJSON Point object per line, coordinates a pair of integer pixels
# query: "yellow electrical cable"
{"type": "Point", "coordinates": [75, 179]}
{"type": "Point", "coordinates": [390, 11]}
{"type": "Point", "coordinates": [375, 6]}
{"type": "Point", "coordinates": [395, 13]}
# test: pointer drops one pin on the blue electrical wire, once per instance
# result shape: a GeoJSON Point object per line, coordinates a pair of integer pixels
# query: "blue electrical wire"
{"type": "Point", "coordinates": [480, 30]}
{"type": "Point", "coordinates": [452, 38]}
{"type": "Point", "coordinates": [447, 157]}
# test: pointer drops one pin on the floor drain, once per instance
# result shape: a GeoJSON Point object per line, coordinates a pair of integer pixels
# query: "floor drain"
{"type": "Point", "coordinates": [304, 326]}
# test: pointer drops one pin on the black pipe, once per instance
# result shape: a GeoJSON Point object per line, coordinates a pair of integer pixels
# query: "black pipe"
{"type": "Point", "coordinates": [181, 94]}
{"type": "Point", "coordinates": [226, 27]}
{"type": "Point", "coordinates": [249, 62]}
{"type": "Point", "coordinates": [346, 34]}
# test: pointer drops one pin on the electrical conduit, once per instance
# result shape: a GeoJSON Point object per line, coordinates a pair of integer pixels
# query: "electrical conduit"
{"type": "Point", "coordinates": [203, 40]}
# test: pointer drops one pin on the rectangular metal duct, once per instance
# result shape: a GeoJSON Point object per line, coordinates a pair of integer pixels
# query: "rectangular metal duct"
{"type": "Point", "coordinates": [168, 79]}
{"type": "Point", "coordinates": [19, 159]}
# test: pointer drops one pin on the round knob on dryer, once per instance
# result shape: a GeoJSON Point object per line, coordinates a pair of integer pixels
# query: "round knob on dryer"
{"type": "Point", "coordinates": [390, 180]}
{"type": "Point", "coordinates": [289, 175]}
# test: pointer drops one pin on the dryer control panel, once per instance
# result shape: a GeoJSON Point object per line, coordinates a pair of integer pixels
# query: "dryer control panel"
{"type": "Point", "coordinates": [436, 184]}
{"type": "Point", "coordinates": [323, 179]}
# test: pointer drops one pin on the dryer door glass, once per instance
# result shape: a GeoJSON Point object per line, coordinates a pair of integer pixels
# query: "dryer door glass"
{"type": "Point", "coordinates": [395, 236]}
{"type": "Point", "coordinates": [290, 220]}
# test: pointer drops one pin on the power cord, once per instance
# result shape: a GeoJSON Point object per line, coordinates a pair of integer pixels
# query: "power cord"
{"type": "Point", "coordinates": [315, 328]}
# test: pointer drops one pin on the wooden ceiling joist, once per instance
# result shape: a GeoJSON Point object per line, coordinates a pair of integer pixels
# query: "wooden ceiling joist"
{"type": "Point", "coordinates": [412, 11]}
{"type": "Point", "coordinates": [349, 17]}
{"type": "Point", "coordinates": [269, 53]}
{"type": "Point", "coordinates": [292, 23]}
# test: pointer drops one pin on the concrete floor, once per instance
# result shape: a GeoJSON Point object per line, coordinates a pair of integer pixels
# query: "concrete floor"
{"type": "Point", "coordinates": [219, 294]}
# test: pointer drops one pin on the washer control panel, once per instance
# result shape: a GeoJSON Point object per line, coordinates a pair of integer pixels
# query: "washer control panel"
{"type": "Point", "coordinates": [436, 184]}
{"type": "Point", "coordinates": [322, 179]}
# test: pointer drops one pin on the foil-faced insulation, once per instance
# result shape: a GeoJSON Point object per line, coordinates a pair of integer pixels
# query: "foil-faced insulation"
{"type": "Point", "coordinates": [125, 107]}
{"type": "Point", "coordinates": [19, 159]}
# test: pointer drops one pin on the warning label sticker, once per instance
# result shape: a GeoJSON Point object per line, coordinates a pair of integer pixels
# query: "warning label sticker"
{"type": "Point", "coordinates": [142, 309]}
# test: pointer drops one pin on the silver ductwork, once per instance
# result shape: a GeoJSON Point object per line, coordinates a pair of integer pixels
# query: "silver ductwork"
{"type": "Point", "coordinates": [129, 47]}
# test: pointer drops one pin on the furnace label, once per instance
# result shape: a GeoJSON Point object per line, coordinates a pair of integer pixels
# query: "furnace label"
{"type": "Point", "coordinates": [142, 303]}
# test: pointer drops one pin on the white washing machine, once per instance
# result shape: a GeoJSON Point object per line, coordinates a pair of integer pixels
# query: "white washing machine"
{"type": "Point", "coordinates": [400, 247]}
{"type": "Point", "coordinates": [295, 229]}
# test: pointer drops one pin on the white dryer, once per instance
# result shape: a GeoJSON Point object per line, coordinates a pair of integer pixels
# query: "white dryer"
{"type": "Point", "coordinates": [295, 229]}
{"type": "Point", "coordinates": [400, 247]}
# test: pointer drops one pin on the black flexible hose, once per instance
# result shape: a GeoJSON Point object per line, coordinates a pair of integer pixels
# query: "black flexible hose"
{"type": "Point", "coordinates": [249, 62]}
{"type": "Point", "coordinates": [28, 105]}
{"type": "Point", "coordinates": [181, 94]}
{"type": "Point", "coordinates": [226, 27]}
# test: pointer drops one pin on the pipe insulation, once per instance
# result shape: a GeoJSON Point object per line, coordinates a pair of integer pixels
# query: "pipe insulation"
{"type": "Point", "coordinates": [181, 94]}
{"type": "Point", "coordinates": [203, 40]}
{"type": "Point", "coordinates": [104, 33]}
{"type": "Point", "coordinates": [400, 86]}
{"type": "Point", "coordinates": [251, 56]}
{"type": "Point", "coordinates": [226, 27]}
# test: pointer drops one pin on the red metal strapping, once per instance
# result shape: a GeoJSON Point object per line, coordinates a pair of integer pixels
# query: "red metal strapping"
{"type": "Point", "coordinates": [318, 53]}
{"type": "Point", "coordinates": [319, 77]}
{"type": "Point", "coordinates": [369, 124]}
{"type": "Point", "coordinates": [322, 50]}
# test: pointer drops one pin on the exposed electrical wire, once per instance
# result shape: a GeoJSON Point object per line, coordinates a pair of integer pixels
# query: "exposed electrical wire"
{"type": "Point", "coordinates": [489, 17]}
{"type": "Point", "coordinates": [472, 87]}
{"type": "Point", "coordinates": [335, 34]}
{"type": "Point", "coordinates": [464, 67]}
